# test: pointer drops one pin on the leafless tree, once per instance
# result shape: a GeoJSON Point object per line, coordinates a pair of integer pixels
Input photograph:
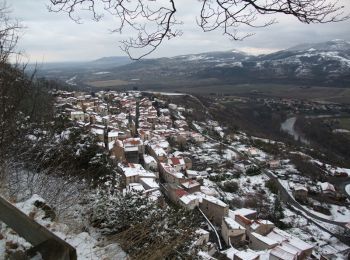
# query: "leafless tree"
{"type": "Point", "coordinates": [61, 192]}
{"type": "Point", "coordinates": [9, 29]}
{"type": "Point", "coordinates": [154, 20]}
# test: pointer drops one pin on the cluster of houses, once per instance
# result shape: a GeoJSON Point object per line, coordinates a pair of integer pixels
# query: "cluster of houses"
{"type": "Point", "coordinates": [265, 241]}
{"type": "Point", "coordinates": [300, 191]}
{"type": "Point", "coordinates": [242, 229]}
{"type": "Point", "coordinates": [297, 105]}
{"type": "Point", "coordinates": [137, 135]}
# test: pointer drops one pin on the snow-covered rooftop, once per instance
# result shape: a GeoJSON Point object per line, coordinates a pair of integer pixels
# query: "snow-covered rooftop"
{"type": "Point", "coordinates": [215, 201]}
{"type": "Point", "coordinates": [244, 212]}
{"type": "Point", "coordinates": [264, 239]}
{"type": "Point", "coordinates": [232, 224]}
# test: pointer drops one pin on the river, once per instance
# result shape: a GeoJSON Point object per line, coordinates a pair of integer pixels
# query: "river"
{"type": "Point", "coordinates": [288, 126]}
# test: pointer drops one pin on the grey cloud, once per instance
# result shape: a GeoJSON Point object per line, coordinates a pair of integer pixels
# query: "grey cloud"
{"type": "Point", "coordinates": [54, 37]}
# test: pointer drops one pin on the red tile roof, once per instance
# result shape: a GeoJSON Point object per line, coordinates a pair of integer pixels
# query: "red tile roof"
{"type": "Point", "coordinates": [244, 220]}
{"type": "Point", "coordinates": [175, 160]}
{"type": "Point", "coordinates": [180, 192]}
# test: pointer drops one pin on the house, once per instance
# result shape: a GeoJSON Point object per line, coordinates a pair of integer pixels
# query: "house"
{"type": "Point", "coordinates": [196, 137]}
{"type": "Point", "coordinates": [274, 164]}
{"type": "Point", "coordinates": [178, 163]}
{"type": "Point", "coordinates": [214, 209]}
{"type": "Point", "coordinates": [192, 174]}
{"type": "Point", "coordinates": [243, 166]}
{"type": "Point", "coordinates": [293, 245]}
{"type": "Point", "coordinates": [150, 163]}
{"type": "Point", "coordinates": [133, 149]}
{"type": "Point", "coordinates": [77, 115]}
{"type": "Point", "coordinates": [99, 133]}
{"type": "Point", "coordinates": [246, 255]}
{"type": "Point", "coordinates": [281, 253]}
{"type": "Point", "coordinates": [144, 125]}
{"type": "Point", "coordinates": [260, 242]}
{"type": "Point", "coordinates": [164, 111]}
{"type": "Point", "coordinates": [174, 192]}
{"type": "Point", "coordinates": [300, 192]}
{"type": "Point", "coordinates": [232, 232]}
{"type": "Point", "coordinates": [253, 152]}
{"type": "Point", "coordinates": [172, 106]}
{"type": "Point", "coordinates": [161, 142]}
{"type": "Point", "coordinates": [132, 173]}
{"type": "Point", "coordinates": [327, 188]}
{"type": "Point", "coordinates": [157, 152]}
{"type": "Point", "coordinates": [116, 134]}
{"type": "Point", "coordinates": [188, 162]}
{"type": "Point", "coordinates": [181, 124]}
{"type": "Point", "coordinates": [165, 120]}
{"type": "Point", "coordinates": [145, 102]}
{"type": "Point", "coordinates": [160, 127]}
{"type": "Point", "coordinates": [191, 186]}
{"type": "Point", "coordinates": [134, 187]}
{"type": "Point", "coordinates": [112, 136]}
{"type": "Point", "coordinates": [147, 174]}
{"type": "Point", "coordinates": [260, 226]}
{"type": "Point", "coordinates": [234, 254]}
{"type": "Point", "coordinates": [203, 237]}
{"type": "Point", "coordinates": [189, 201]}
{"type": "Point", "coordinates": [144, 134]}
{"type": "Point", "coordinates": [149, 183]}
{"type": "Point", "coordinates": [170, 175]}
{"type": "Point", "coordinates": [245, 222]}
{"type": "Point", "coordinates": [248, 213]}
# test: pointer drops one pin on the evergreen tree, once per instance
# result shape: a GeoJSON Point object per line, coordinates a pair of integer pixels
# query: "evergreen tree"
{"type": "Point", "coordinates": [278, 209]}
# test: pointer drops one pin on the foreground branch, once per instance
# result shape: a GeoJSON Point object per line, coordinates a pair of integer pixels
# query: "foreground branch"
{"type": "Point", "coordinates": [154, 20]}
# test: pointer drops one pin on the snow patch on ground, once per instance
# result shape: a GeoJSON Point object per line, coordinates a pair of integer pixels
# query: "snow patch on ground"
{"type": "Point", "coordinates": [101, 72]}
{"type": "Point", "coordinates": [324, 243]}
{"type": "Point", "coordinates": [347, 189]}
{"type": "Point", "coordinates": [335, 170]}
{"type": "Point", "coordinates": [88, 245]}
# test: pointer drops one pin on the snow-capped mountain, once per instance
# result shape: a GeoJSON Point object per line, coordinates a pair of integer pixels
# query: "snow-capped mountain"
{"type": "Point", "coordinates": [333, 45]}
{"type": "Point", "coordinates": [326, 63]}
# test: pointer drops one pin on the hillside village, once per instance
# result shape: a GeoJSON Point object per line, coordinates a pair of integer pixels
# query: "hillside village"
{"type": "Point", "coordinates": [159, 153]}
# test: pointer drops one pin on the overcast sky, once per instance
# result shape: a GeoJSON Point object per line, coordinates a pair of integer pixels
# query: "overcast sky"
{"type": "Point", "coordinates": [52, 37]}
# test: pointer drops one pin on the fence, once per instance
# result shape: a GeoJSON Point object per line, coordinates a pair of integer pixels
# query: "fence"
{"type": "Point", "coordinates": [45, 242]}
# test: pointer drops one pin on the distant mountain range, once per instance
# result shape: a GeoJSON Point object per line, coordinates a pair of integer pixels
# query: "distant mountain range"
{"type": "Point", "coordinates": [323, 64]}
{"type": "Point", "coordinates": [102, 63]}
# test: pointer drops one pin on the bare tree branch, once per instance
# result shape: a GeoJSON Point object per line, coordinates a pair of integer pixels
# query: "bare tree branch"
{"type": "Point", "coordinates": [9, 30]}
{"type": "Point", "coordinates": [154, 20]}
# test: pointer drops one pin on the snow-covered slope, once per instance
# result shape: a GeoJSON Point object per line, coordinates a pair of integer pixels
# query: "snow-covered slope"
{"type": "Point", "coordinates": [88, 245]}
{"type": "Point", "coordinates": [326, 63]}
{"type": "Point", "coordinates": [320, 62]}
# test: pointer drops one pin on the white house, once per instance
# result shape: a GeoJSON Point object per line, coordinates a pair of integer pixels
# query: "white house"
{"type": "Point", "coordinates": [232, 232]}
{"type": "Point", "coordinates": [189, 201]}
{"type": "Point", "coordinates": [149, 162]}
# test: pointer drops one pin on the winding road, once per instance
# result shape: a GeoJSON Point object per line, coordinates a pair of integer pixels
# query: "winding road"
{"type": "Point", "coordinates": [287, 197]}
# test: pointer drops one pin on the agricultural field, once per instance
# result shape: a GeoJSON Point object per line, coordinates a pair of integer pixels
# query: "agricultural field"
{"type": "Point", "coordinates": [344, 123]}
{"type": "Point", "coordinates": [107, 83]}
